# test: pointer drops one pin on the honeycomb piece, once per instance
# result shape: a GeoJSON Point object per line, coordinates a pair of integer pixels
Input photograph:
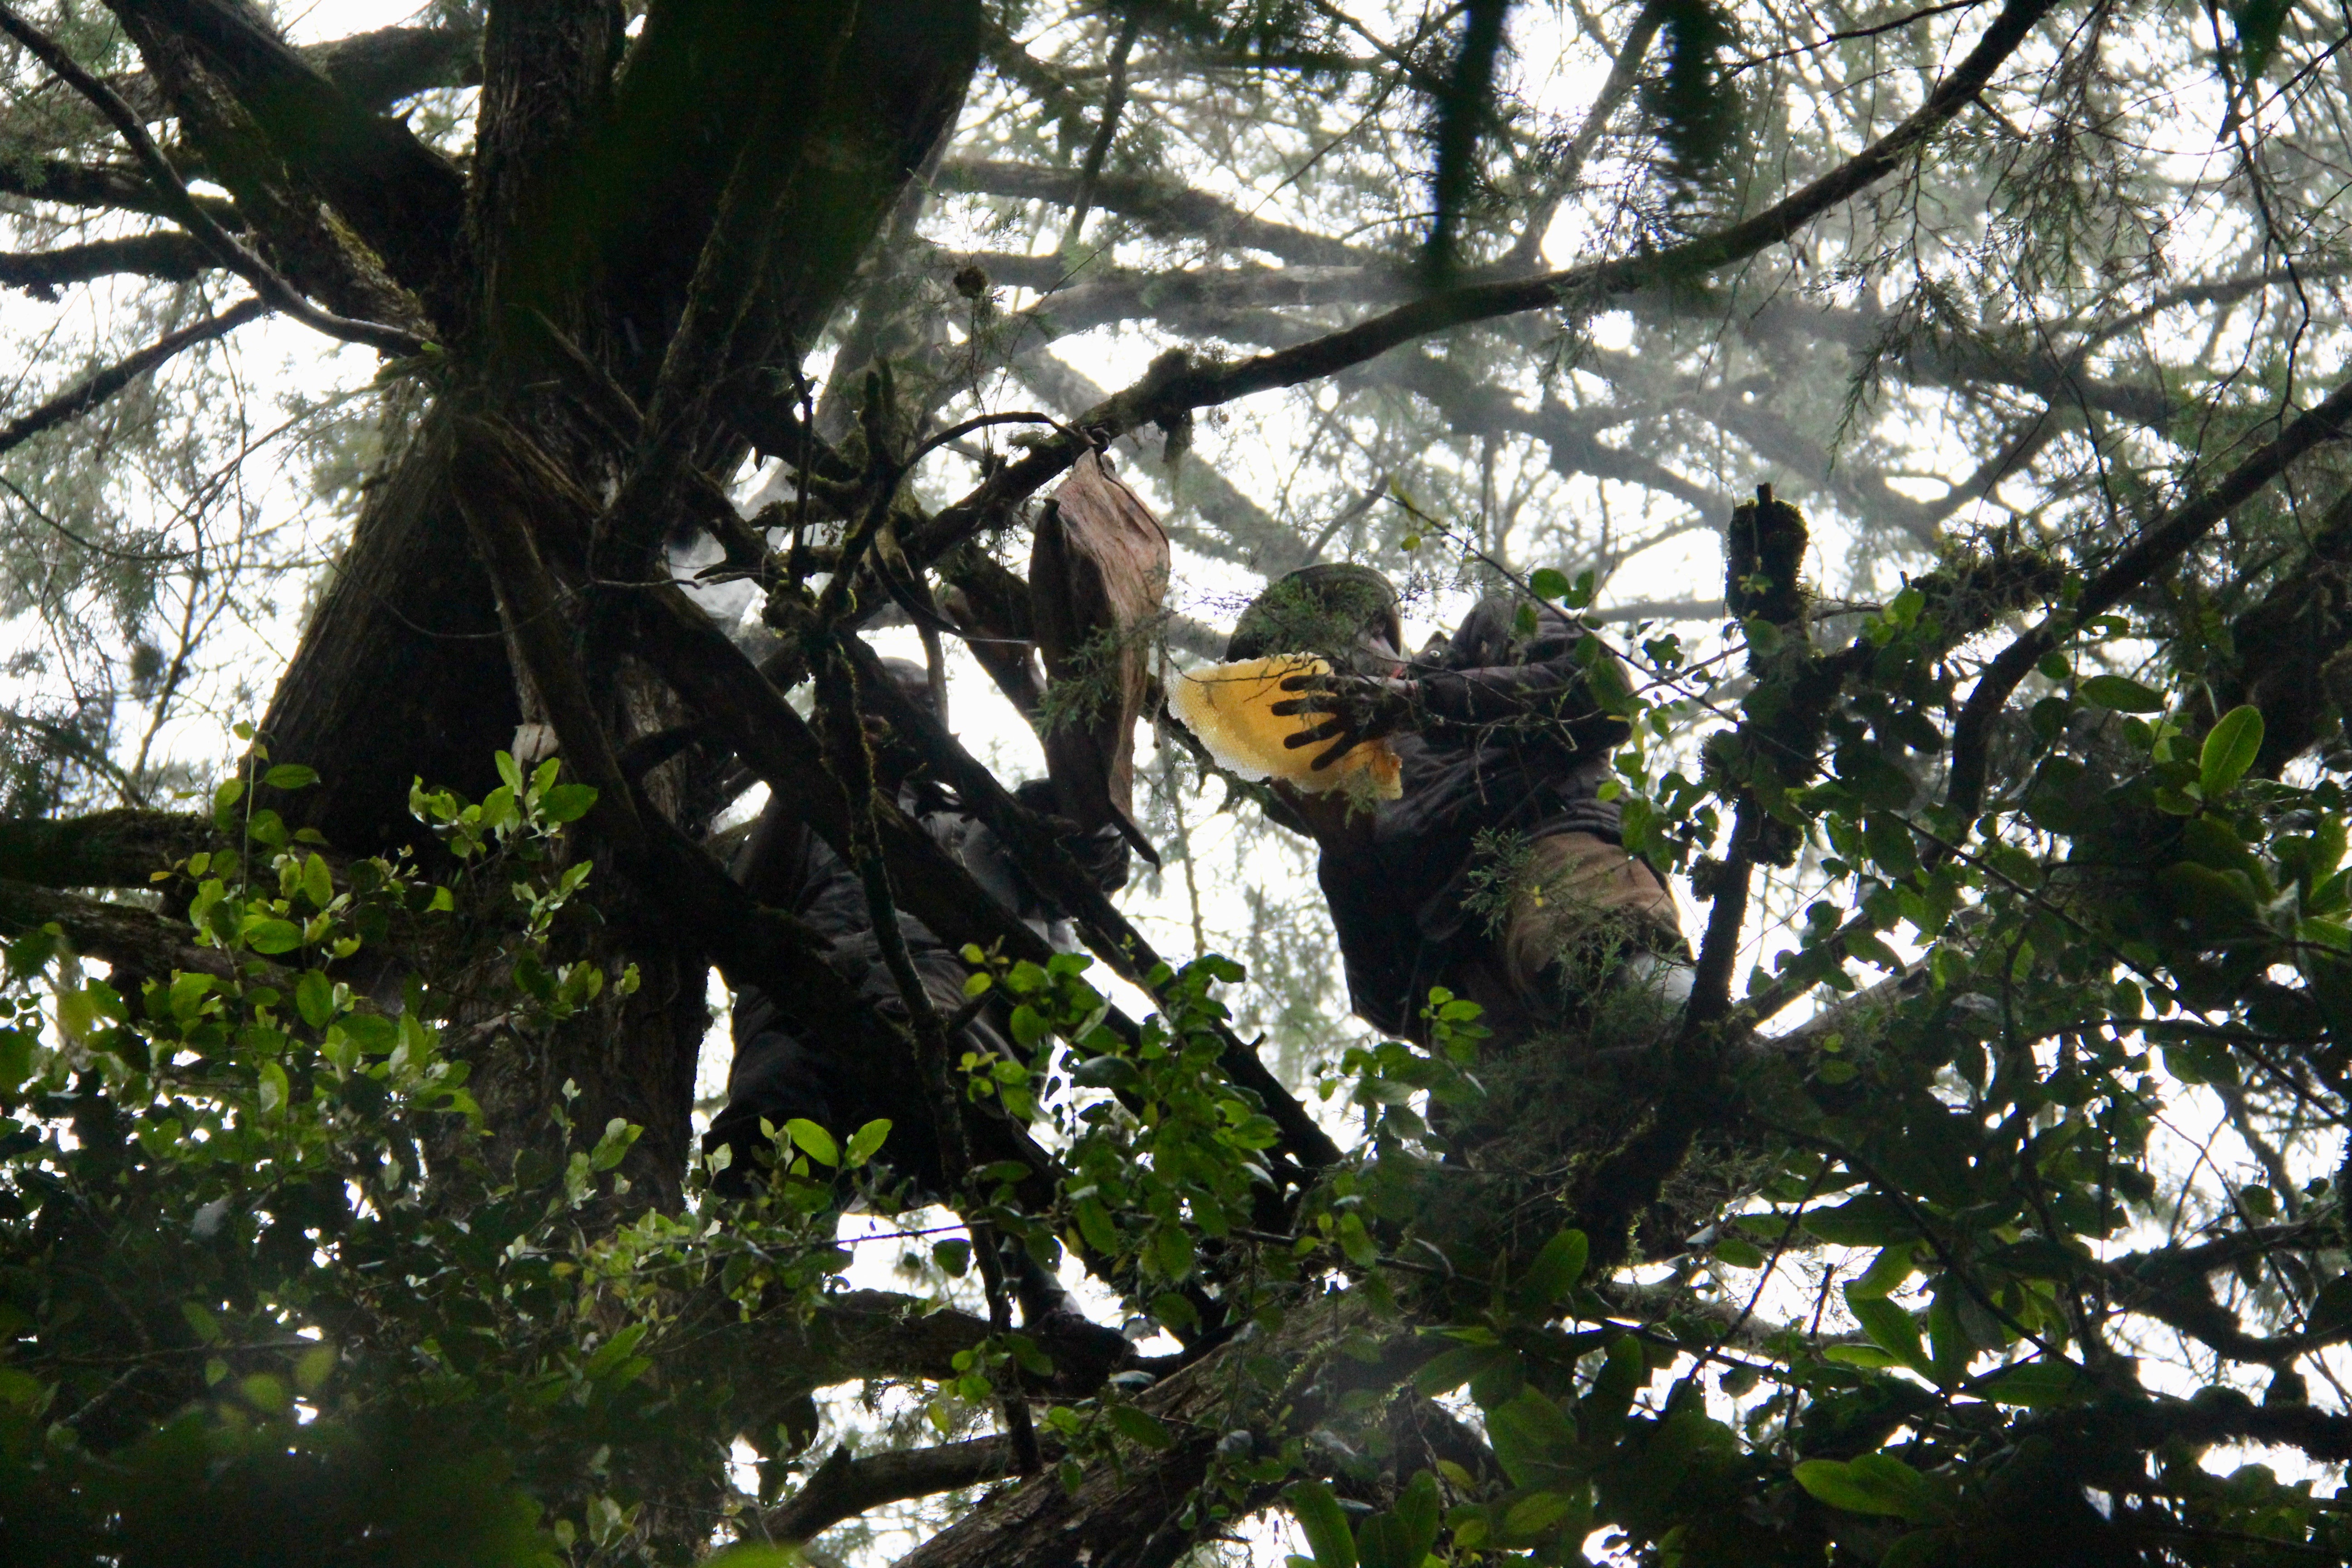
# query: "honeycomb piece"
{"type": "Point", "coordinates": [1225, 705]}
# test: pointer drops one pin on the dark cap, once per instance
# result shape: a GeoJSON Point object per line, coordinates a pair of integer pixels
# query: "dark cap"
{"type": "Point", "coordinates": [1324, 610]}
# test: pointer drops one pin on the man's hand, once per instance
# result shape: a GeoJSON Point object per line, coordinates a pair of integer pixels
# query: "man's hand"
{"type": "Point", "coordinates": [1361, 708]}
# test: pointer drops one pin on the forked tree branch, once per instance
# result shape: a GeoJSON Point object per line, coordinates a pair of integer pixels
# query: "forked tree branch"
{"type": "Point", "coordinates": [183, 206]}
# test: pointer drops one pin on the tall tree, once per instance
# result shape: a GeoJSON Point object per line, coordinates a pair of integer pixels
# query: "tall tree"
{"type": "Point", "coordinates": [376, 1139]}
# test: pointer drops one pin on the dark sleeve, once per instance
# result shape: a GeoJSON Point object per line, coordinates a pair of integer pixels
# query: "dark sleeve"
{"type": "Point", "coordinates": [1101, 852]}
{"type": "Point", "coordinates": [773, 863]}
{"type": "Point", "coordinates": [1554, 693]}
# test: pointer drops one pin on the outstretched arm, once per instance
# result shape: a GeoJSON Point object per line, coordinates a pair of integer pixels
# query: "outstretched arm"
{"type": "Point", "coordinates": [1554, 696]}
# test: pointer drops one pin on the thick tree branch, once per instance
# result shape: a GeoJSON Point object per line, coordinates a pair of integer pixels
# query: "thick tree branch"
{"type": "Point", "coordinates": [2279, 645]}
{"type": "Point", "coordinates": [861, 1334]}
{"type": "Point", "coordinates": [133, 939]}
{"type": "Point", "coordinates": [121, 849]}
{"type": "Point", "coordinates": [100, 185]}
{"type": "Point", "coordinates": [401, 197]}
{"type": "Point", "coordinates": [2154, 550]}
{"type": "Point", "coordinates": [844, 1487]}
{"type": "Point", "coordinates": [376, 70]}
{"type": "Point", "coordinates": [167, 258]}
{"type": "Point", "coordinates": [273, 288]}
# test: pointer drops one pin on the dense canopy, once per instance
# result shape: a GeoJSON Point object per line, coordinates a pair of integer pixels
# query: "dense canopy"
{"type": "Point", "coordinates": [461, 467]}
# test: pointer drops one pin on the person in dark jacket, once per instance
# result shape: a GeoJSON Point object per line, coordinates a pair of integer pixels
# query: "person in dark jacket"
{"type": "Point", "coordinates": [783, 1068]}
{"type": "Point", "coordinates": [841, 1075]}
{"type": "Point", "coordinates": [1499, 873]}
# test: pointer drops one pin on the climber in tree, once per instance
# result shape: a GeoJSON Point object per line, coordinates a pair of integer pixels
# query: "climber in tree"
{"type": "Point", "coordinates": [1498, 874]}
{"type": "Point", "coordinates": [841, 1075]}
{"type": "Point", "coordinates": [786, 1069]}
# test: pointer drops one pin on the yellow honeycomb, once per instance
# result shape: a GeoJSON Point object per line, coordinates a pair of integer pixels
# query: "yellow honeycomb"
{"type": "Point", "coordinates": [1226, 706]}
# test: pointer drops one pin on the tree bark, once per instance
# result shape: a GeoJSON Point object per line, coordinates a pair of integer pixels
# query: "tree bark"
{"type": "Point", "coordinates": [594, 198]}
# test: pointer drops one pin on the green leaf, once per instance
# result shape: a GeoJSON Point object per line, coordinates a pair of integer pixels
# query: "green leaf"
{"type": "Point", "coordinates": [568, 802]}
{"type": "Point", "coordinates": [1320, 1516]}
{"type": "Point", "coordinates": [814, 1141]}
{"type": "Point", "coordinates": [314, 998]}
{"type": "Point", "coordinates": [273, 1087]}
{"type": "Point", "coordinates": [1548, 583]}
{"type": "Point", "coordinates": [1532, 1438]}
{"type": "Point", "coordinates": [2229, 750]}
{"type": "Point", "coordinates": [1738, 1252]}
{"type": "Point", "coordinates": [1093, 1223]}
{"type": "Point", "coordinates": [201, 1322]}
{"type": "Point", "coordinates": [1892, 1330]}
{"type": "Point", "coordinates": [1531, 1516]}
{"type": "Point", "coordinates": [1112, 1072]}
{"type": "Point", "coordinates": [2035, 1384]}
{"type": "Point", "coordinates": [954, 1256]}
{"type": "Point", "coordinates": [1555, 1271]}
{"type": "Point", "coordinates": [1874, 1483]}
{"type": "Point", "coordinates": [1143, 1428]}
{"type": "Point", "coordinates": [1381, 1542]}
{"type": "Point", "coordinates": [290, 776]}
{"type": "Point", "coordinates": [614, 1146]}
{"type": "Point", "coordinates": [757, 1556]}
{"type": "Point", "coordinates": [274, 936]}
{"type": "Point", "coordinates": [1866, 1221]}
{"type": "Point", "coordinates": [864, 1143]}
{"type": "Point", "coordinates": [1885, 1275]}
{"type": "Point", "coordinates": [1948, 1343]}
{"type": "Point", "coordinates": [1172, 1249]}
{"type": "Point", "coordinates": [2121, 693]}
{"type": "Point", "coordinates": [1449, 1370]}
{"type": "Point", "coordinates": [15, 1058]}
{"type": "Point", "coordinates": [318, 882]}
{"type": "Point", "coordinates": [1419, 1509]}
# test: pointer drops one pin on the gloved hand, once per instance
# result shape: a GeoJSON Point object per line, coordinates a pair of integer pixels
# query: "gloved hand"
{"type": "Point", "coordinates": [1361, 708]}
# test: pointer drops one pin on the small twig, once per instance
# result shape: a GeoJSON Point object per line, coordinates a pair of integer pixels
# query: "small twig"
{"type": "Point", "coordinates": [79, 400]}
{"type": "Point", "coordinates": [1114, 105]}
{"type": "Point", "coordinates": [92, 545]}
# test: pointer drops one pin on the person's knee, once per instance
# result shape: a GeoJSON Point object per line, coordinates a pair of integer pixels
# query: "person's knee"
{"type": "Point", "coordinates": [1583, 909]}
{"type": "Point", "coordinates": [776, 1078]}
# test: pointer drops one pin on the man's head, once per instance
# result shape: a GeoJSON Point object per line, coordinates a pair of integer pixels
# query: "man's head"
{"type": "Point", "coordinates": [1344, 614]}
{"type": "Point", "coordinates": [913, 682]}
{"type": "Point", "coordinates": [895, 758]}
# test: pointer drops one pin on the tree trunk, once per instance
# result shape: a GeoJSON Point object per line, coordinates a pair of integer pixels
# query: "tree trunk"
{"type": "Point", "coordinates": [601, 209]}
